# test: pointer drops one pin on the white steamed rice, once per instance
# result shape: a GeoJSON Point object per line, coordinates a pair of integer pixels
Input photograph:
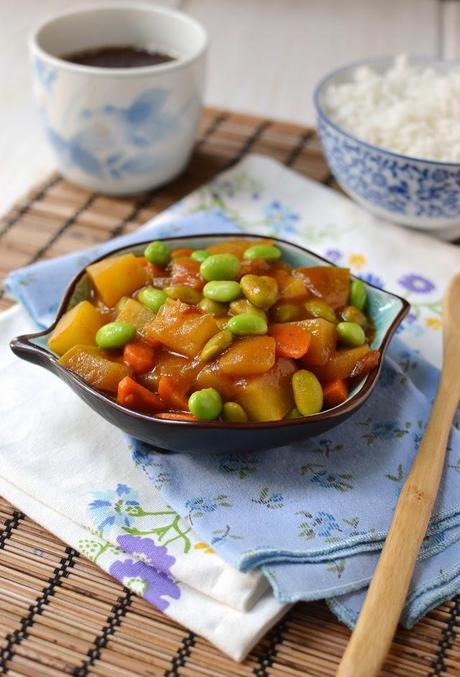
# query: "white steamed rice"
{"type": "Point", "coordinates": [409, 109]}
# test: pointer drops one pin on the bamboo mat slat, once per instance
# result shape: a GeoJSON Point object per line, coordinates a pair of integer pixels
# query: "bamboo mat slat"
{"type": "Point", "coordinates": [59, 613]}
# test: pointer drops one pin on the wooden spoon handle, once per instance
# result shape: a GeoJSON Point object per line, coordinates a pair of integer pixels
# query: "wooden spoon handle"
{"type": "Point", "coordinates": [371, 639]}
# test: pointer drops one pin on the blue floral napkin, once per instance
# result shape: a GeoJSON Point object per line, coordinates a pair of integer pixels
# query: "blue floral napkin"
{"type": "Point", "coordinates": [313, 516]}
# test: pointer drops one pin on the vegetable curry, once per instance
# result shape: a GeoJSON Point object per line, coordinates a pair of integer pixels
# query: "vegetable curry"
{"type": "Point", "coordinates": [230, 333]}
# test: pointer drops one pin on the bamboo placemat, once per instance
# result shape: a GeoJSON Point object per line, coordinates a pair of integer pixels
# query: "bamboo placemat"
{"type": "Point", "coordinates": [59, 613]}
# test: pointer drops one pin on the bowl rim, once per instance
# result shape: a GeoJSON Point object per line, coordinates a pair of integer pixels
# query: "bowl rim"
{"type": "Point", "coordinates": [23, 343]}
{"type": "Point", "coordinates": [326, 79]}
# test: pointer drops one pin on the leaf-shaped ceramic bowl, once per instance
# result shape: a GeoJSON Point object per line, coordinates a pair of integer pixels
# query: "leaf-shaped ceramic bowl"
{"type": "Point", "coordinates": [385, 309]}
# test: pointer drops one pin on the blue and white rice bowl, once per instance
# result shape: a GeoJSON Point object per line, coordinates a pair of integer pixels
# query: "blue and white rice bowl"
{"type": "Point", "coordinates": [407, 190]}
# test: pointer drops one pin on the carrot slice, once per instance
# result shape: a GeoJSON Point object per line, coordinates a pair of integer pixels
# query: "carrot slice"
{"type": "Point", "coordinates": [140, 357]}
{"type": "Point", "coordinates": [185, 251]}
{"type": "Point", "coordinates": [185, 270]}
{"type": "Point", "coordinates": [154, 270]}
{"type": "Point", "coordinates": [131, 394]}
{"type": "Point", "coordinates": [171, 393]}
{"type": "Point", "coordinates": [335, 392]}
{"type": "Point", "coordinates": [177, 416]}
{"type": "Point", "coordinates": [291, 340]}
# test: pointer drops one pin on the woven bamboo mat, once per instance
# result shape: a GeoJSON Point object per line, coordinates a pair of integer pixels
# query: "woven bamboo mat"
{"type": "Point", "coordinates": [59, 613]}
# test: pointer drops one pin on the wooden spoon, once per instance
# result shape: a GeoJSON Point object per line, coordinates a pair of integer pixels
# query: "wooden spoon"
{"type": "Point", "coordinates": [376, 626]}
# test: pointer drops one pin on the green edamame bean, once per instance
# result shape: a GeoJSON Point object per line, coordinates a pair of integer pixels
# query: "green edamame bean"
{"type": "Point", "coordinates": [157, 252]}
{"type": "Point", "coordinates": [285, 312]}
{"type": "Point", "coordinates": [200, 255]}
{"type": "Point", "coordinates": [205, 404]}
{"type": "Point", "coordinates": [232, 412]}
{"type": "Point", "coordinates": [152, 298]}
{"type": "Point", "coordinates": [351, 334]}
{"type": "Point", "coordinates": [223, 291]}
{"type": "Point", "coordinates": [216, 345]}
{"type": "Point", "coordinates": [260, 290]}
{"type": "Point", "coordinates": [263, 251]}
{"type": "Point", "coordinates": [317, 308]}
{"type": "Point", "coordinates": [358, 294]}
{"type": "Point", "coordinates": [308, 393]}
{"type": "Point", "coordinates": [115, 334]}
{"type": "Point", "coordinates": [352, 314]}
{"type": "Point", "coordinates": [183, 293]}
{"type": "Point", "coordinates": [213, 307]}
{"type": "Point", "coordinates": [247, 323]}
{"type": "Point", "coordinates": [220, 267]}
{"type": "Point", "coordinates": [244, 306]}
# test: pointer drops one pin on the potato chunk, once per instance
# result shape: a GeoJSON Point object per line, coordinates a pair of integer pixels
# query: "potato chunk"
{"type": "Point", "coordinates": [328, 282]}
{"type": "Point", "coordinates": [135, 313]}
{"type": "Point", "coordinates": [268, 397]}
{"type": "Point", "coordinates": [291, 288]}
{"type": "Point", "coordinates": [94, 367]}
{"type": "Point", "coordinates": [248, 356]}
{"type": "Point", "coordinates": [181, 327]}
{"type": "Point", "coordinates": [210, 376]}
{"type": "Point", "coordinates": [116, 276]}
{"type": "Point", "coordinates": [175, 368]}
{"type": "Point", "coordinates": [348, 362]}
{"type": "Point", "coordinates": [236, 246]}
{"type": "Point", "coordinates": [78, 325]}
{"type": "Point", "coordinates": [323, 340]}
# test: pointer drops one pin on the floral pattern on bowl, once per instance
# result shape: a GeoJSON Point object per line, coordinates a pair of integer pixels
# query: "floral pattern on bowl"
{"type": "Point", "coordinates": [406, 190]}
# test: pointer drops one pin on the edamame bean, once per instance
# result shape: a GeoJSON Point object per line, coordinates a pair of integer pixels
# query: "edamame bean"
{"type": "Point", "coordinates": [352, 314]}
{"type": "Point", "coordinates": [213, 307]}
{"type": "Point", "coordinates": [220, 267]}
{"type": "Point", "coordinates": [317, 308]}
{"type": "Point", "coordinates": [115, 334]}
{"type": "Point", "coordinates": [205, 404]}
{"type": "Point", "coordinates": [232, 412]}
{"type": "Point", "coordinates": [216, 345]}
{"type": "Point", "coordinates": [223, 291]}
{"type": "Point", "coordinates": [285, 312]}
{"type": "Point", "coordinates": [152, 298]}
{"type": "Point", "coordinates": [247, 323]}
{"type": "Point", "coordinates": [183, 293]}
{"type": "Point", "coordinates": [200, 255]}
{"type": "Point", "coordinates": [157, 252]}
{"type": "Point", "coordinates": [351, 334]}
{"type": "Point", "coordinates": [263, 251]}
{"type": "Point", "coordinates": [260, 290]}
{"type": "Point", "coordinates": [358, 294]}
{"type": "Point", "coordinates": [244, 306]}
{"type": "Point", "coordinates": [308, 394]}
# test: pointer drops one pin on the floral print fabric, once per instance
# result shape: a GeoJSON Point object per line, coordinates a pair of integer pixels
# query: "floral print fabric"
{"type": "Point", "coordinates": [313, 516]}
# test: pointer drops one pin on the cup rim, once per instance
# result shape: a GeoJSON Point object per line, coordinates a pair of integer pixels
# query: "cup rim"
{"type": "Point", "coordinates": [177, 64]}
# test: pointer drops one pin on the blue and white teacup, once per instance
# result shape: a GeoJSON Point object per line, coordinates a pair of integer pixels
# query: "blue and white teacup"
{"type": "Point", "coordinates": [120, 130]}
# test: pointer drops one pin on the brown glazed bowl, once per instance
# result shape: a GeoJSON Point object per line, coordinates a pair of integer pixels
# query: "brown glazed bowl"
{"type": "Point", "coordinates": [385, 309]}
